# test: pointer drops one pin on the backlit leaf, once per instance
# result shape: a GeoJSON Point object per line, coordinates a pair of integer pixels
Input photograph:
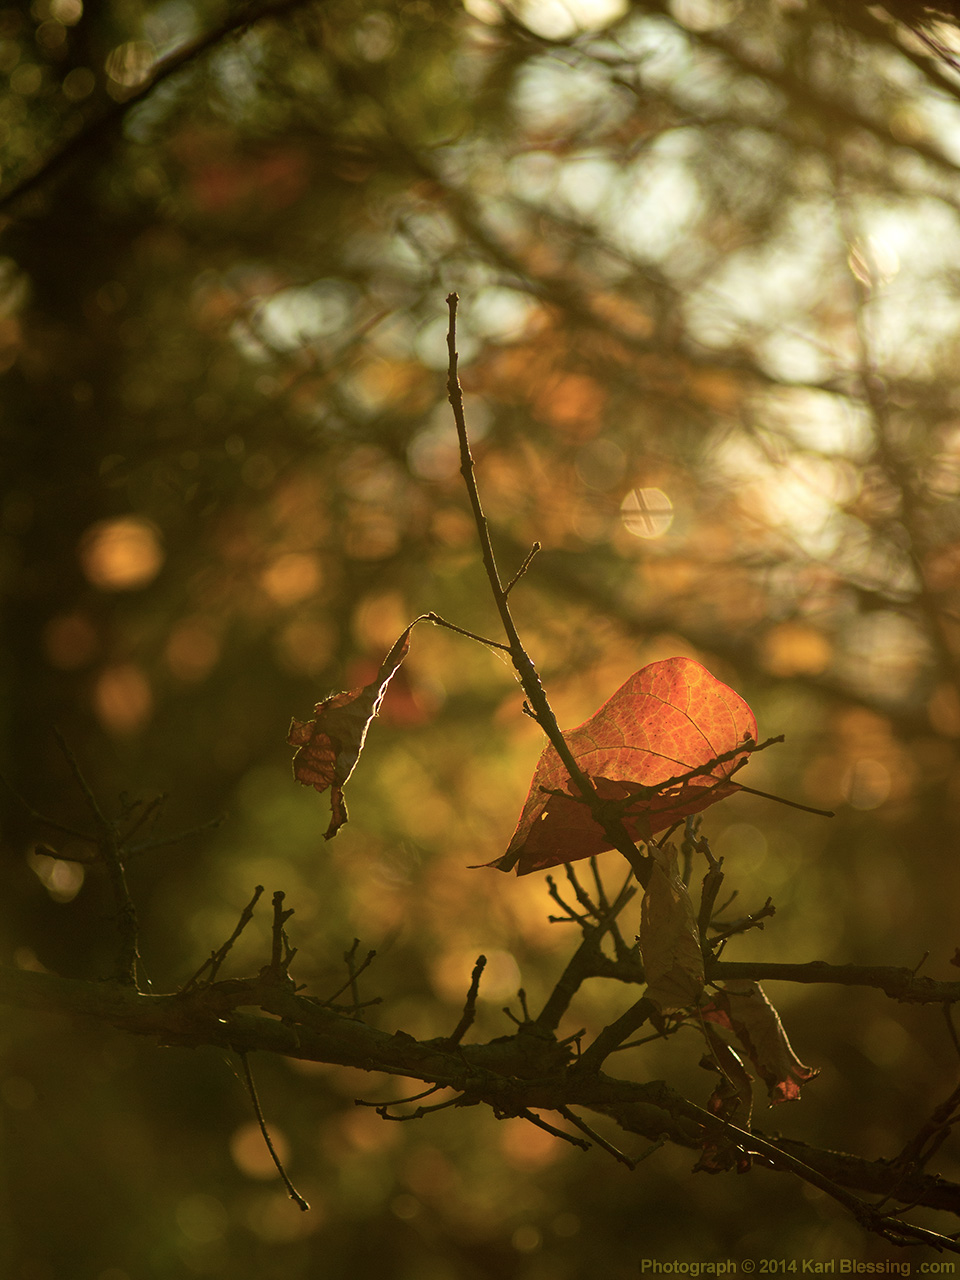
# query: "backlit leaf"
{"type": "Point", "coordinates": [668, 719]}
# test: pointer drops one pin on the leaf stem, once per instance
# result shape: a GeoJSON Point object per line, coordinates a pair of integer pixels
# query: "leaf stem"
{"type": "Point", "coordinates": [462, 631]}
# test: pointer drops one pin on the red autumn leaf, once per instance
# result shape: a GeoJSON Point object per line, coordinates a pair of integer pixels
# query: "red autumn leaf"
{"type": "Point", "coordinates": [669, 718]}
{"type": "Point", "coordinates": [742, 1007]}
{"type": "Point", "coordinates": [330, 745]}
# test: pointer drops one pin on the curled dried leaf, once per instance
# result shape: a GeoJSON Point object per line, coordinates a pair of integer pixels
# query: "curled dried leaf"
{"type": "Point", "coordinates": [743, 1008]}
{"type": "Point", "coordinates": [330, 744]}
{"type": "Point", "coordinates": [732, 1101]}
{"type": "Point", "coordinates": [669, 937]}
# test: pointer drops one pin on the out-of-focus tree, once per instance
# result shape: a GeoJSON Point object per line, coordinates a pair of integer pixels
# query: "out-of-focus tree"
{"type": "Point", "coordinates": [710, 317]}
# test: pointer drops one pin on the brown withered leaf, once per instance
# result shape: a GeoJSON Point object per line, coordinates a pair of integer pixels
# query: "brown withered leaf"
{"type": "Point", "coordinates": [330, 744]}
{"type": "Point", "coordinates": [742, 1007]}
{"type": "Point", "coordinates": [732, 1101]}
{"type": "Point", "coordinates": [669, 937]}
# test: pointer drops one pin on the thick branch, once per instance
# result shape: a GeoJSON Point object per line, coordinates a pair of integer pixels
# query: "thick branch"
{"type": "Point", "coordinates": [510, 1074]}
{"type": "Point", "coordinates": [898, 983]}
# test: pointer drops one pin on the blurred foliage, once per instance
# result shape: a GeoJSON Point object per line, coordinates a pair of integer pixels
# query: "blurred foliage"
{"type": "Point", "coordinates": [707, 255]}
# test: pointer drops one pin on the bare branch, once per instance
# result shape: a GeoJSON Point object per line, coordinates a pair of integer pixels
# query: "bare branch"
{"type": "Point", "coordinates": [352, 975]}
{"type": "Point", "coordinates": [111, 854]}
{"type": "Point", "coordinates": [513, 1075]}
{"type": "Point", "coordinates": [470, 1008]}
{"type": "Point", "coordinates": [217, 957]}
{"type": "Point", "coordinates": [293, 1193]}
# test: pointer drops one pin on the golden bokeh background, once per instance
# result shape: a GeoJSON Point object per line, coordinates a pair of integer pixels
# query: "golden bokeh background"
{"type": "Point", "coordinates": [707, 255]}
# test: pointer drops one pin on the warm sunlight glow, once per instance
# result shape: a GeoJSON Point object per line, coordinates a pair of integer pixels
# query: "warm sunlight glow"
{"type": "Point", "coordinates": [646, 513]}
{"type": "Point", "coordinates": [69, 641]}
{"type": "Point", "coordinates": [192, 650]}
{"type": "Point", "coordinates": [291, 578]}
{"type": "Point", "coordinates": [121, 555]}
{"type": "Point", "coordinates": [867, 784]}
{"type": "Point", "coordinates": [122, 699]}
{"type": "Point", "coordinates": [556, 19]}
{"type": "Point", "coordinates": [62, 880]}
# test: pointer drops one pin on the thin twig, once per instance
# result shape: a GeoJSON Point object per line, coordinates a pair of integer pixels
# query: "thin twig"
{"type": "Point", "coordinates": [554, 893]}
{"type": "Point", "coordinates": [746, 748]}
{"type": "Point", "coordinates": [398, 1102]}
{"type": "Point", "coordinates": [923, 1146]}
{"type": "Point", "coordinates": [352, 975]}
{"type": "Point", "coordinates": [109, 848]}
{"type": "Point", "coordinates": [948, 1016]}
{"type": "Point", "coordinates": [470, 1007]}
{"type": "Point", "coordinates": [383, 1110]}
{"type": "Point", "coordinates": [596, 1137]}
{"type": "Point", "coordinates": [526, 1019]}
{"type": "Point", "coordinates": [48, 822]}
{"type": "Point", "coordinates": [669, 1029]}
{"type": "Point", "coordinates": [542, 1124]}
{"type": "Point", "coordinates": [602, 902]}
{"type": "Point", "coordinates": [523, 568]}
{"type": "Point", "coordinates": [81, 781]}
{"type": "Point", "coordinates": [354, 1007]}
{"type": "Point", "coordinates": [883, 1225]}
{"type": "Point", "coordinates": [729, 903]}
{"type": "Point", "coordinates": [584, 960]}
{"type": "Point", "coordinates": [792, 804]}
{"type": "Point", "coordinates": [688, 846]}
{"type": "Point", "coordinates": [651, 1150]}
{"type": "Point", "coordinates": [148, 811]}
{"type": "Point", "coordinates": [217, 957]}
{"type": "Point", "coordinates": [712, 882]}
{"type": "Point", "coordinates": [281, 953]}
{"type": "Point", "coordinates": [752, 921]}
{"type": "Point", "coordinates": [582, 896]}
{"type": "Point", "coordinates": [640, 794]}
{"type": "Point", "coordinates": [613, 1035]}
{"type": "Point", "coordinates": [161, 842]}
{"type": "Point", "coordinates": [293, 1193]}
